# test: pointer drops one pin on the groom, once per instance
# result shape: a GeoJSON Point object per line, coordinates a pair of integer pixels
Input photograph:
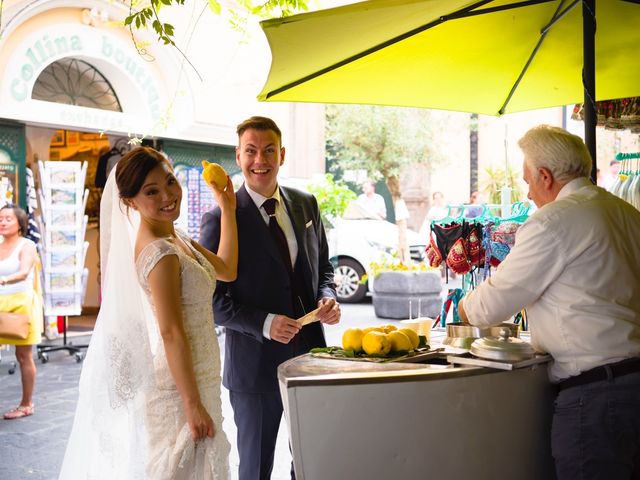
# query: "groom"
{"type": "Point", "coordinates": [283, 273]}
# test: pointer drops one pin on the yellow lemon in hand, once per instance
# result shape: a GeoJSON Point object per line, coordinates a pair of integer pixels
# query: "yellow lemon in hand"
{"type": "Point", "coordinates": [214, 173]}
{"type": "Point", "coordinates": [352, 339]}
{"type": "Point", "coordinates": [399, 342]}
{"type": "Point", "coordinates": [376, 343]}
{"type": "Point", "coordinates": [389, 328]}
{"type": "Point", "coordinates": [413, 336]}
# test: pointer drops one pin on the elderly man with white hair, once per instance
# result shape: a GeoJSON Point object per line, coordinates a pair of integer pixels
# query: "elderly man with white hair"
{"type": "Point", "coordinates": [575, 267]}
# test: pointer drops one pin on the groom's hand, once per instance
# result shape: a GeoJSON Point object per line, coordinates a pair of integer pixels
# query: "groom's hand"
{"type": "Point", "coordinates": [329, 312]}
{"type": "Point", "coordinates": [283, 329]}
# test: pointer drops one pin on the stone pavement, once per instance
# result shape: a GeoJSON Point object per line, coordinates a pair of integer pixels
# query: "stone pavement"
{"type": "Point", "coordinates": [32, 448]}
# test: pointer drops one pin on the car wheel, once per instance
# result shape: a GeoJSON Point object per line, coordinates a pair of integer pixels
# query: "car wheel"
{"type": "Point", "coordinates": [347, 277]}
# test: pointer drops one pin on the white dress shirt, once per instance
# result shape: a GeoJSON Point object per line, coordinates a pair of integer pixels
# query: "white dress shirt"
{"type": "Point", "coordinates": [287, 227]}
{"type": "Point", "coordinates": [575, 267]}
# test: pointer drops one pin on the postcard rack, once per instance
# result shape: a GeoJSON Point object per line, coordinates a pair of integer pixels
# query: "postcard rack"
{"type": "Point", "coordinates": [197, 199]}
{"type": "Point", "coordinates": [63, 198]}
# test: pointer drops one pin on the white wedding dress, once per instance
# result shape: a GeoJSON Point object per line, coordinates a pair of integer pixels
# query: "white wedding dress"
{"type": "Point", "coordinates": [130, 422]}
{"type": "Point", "coordinates": [171, 452]}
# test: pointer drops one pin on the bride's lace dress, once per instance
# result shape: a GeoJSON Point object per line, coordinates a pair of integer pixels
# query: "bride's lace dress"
{"type": "Point", "coordinates": [171, 452]}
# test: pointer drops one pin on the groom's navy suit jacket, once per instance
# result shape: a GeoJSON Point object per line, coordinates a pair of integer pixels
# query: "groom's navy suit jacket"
{"type": "Point", "coordinates": [264, 286]}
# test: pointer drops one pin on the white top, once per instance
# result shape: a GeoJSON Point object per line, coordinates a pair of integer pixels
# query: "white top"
{"type": "Point", "coordinates": [434, 213]}
{"type": "Point", "coordinates": [11, 265]}
{"type": "Point", "coordinates": [287, 227]}
{"type": "Point", "coordinates": [374, 203]}
{"type": "Point", "coordinates": [575, 267]}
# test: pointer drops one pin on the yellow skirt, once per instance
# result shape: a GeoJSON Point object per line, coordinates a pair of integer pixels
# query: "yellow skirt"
{"type": "Point", "coordinates": [28, 304]}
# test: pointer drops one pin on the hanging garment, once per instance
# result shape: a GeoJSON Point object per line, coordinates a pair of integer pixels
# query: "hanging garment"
{"type": "Point", "coordinates": [433, 254]}
{"type": "Point", "coordinates": [457, 259]}
{"type": "Point", "coordinates": [33, 232]}
{"type": "Point", "coordinates": [105, 163]}
{"type": "Point", "coordinates": [474, 249]}
{"type": "Point", "coordinates": [501, 241]}
{"type": "Point", "coordinates": [448, 234]}
{"type": "Point", "coordinates": [453, 299]}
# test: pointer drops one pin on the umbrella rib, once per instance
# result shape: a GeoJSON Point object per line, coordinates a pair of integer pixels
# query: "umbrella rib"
{"type": "Point", "coordinates": [543, 34]}
{"type": "Point", "coordinates": [462, 13]}
{"type": "Point", "coordinates": [501, 8]}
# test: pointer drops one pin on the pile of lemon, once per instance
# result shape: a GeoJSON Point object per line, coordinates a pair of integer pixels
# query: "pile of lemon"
{"type": "Point", "coordinates": [380, 341]}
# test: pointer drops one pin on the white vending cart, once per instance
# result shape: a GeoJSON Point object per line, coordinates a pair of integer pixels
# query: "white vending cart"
{"type": "Point", "coordinates": [401, 421]}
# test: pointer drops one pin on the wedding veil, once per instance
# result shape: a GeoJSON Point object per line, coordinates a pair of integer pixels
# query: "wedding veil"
{"type": "Point", "coordinates": [108, 437]}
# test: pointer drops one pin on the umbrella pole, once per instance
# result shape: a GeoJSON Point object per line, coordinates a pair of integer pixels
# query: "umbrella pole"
{"type": "Point", "coordinates": [589, 80]}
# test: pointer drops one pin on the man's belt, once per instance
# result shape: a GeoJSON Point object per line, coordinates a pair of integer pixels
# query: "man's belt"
{"type": "Point", "coordinates": [603, 372]}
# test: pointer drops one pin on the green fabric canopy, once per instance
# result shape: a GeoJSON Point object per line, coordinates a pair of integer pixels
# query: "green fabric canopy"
{"type": "Point", "coordinates": [433, 54]}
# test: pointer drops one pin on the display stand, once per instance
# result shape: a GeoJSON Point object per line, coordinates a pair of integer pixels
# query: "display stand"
{"type": "Point", "coordinates": [12, 365]}
{"type": "Point", "coordinates": [63, 198]}
{"type": "Point", "coordinates": [76, 350]}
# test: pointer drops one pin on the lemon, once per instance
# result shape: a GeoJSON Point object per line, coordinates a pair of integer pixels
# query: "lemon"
{"type": "Point", "coordinates": [399, 342]}
{"type": "Point", "coordinates": [214, 173]}
{"type": "Point", "coordinates": [389, 328]}
{"type": "Point", "coordinates": [372, 329]}
{"type": "Point", "coordinates": [352, 339]}
{"type": "Point", "coordinates": [413, 336]}
{"type": "Point", "coordinates": [376, 343]}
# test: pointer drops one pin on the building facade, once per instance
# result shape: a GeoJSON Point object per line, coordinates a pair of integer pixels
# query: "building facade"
{"type": "Point", "coordinates": [78, 85]}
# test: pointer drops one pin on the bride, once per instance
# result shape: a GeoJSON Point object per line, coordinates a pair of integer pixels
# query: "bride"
{"type": "Point", "coordinates": [149, 405]}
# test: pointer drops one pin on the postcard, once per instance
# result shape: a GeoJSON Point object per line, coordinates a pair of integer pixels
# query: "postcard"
{"type": "Point", "coordinates": [60, 239]}
{"type": "Point", "coordinates": [65, 218]}
{"type": "Point", "coordinates": [63, 259]}
{"type": "Point", "coordinates": [63, 177]}
{"type": "Point", "coordinates": [62, 280]}
{"type": "Point", "coordinates": [65, 197]}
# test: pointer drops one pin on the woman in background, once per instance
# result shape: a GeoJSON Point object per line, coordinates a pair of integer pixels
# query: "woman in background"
{"type": "Point", "coordinates": [18, 255]}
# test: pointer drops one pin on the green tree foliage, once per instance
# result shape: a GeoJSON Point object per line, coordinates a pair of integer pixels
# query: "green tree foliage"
{"type": "Point", "coordinates": [146, 13]}
{"type": "Point", "coordinates": [383, 141]}
{"type": "Point", "coordinates": [333, 198]}
{"type": "Point", "coordinates": [496, 178]}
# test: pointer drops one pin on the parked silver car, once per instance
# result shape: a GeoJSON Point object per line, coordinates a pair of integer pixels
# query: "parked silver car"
{"type": "Point", "coordinates": [356, 240]}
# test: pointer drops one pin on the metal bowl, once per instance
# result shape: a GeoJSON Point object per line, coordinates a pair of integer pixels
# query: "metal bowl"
{"type": "Point", "coordinates": [462, 336]}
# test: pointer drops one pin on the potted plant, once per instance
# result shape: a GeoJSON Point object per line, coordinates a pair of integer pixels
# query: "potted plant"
{"type": "Point", "coordinates": [403, 291]}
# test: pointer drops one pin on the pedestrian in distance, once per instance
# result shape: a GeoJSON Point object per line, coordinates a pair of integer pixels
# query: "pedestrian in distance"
{"type": "Point", "coordinates": [371, 201]}
{"type": "Point", "coordinates": [19, 279]}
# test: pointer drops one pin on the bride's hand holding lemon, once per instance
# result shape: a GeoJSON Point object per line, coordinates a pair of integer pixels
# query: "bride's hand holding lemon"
{"type": "Point", "coordinates": [220, 182]}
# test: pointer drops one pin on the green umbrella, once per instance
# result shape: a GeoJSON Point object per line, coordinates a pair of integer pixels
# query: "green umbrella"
{"type": "Point", "coordinates": [490, 57]}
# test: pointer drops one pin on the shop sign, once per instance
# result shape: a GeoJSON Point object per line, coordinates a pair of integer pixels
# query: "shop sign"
{"type": "Point", "coordinates": [85, 116]}
{"type": "Point", "coordinates": [88, 43]}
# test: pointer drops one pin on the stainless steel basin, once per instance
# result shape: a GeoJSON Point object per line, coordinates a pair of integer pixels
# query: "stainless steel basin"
{"type": "Point", "coordinates": [462, 336]}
